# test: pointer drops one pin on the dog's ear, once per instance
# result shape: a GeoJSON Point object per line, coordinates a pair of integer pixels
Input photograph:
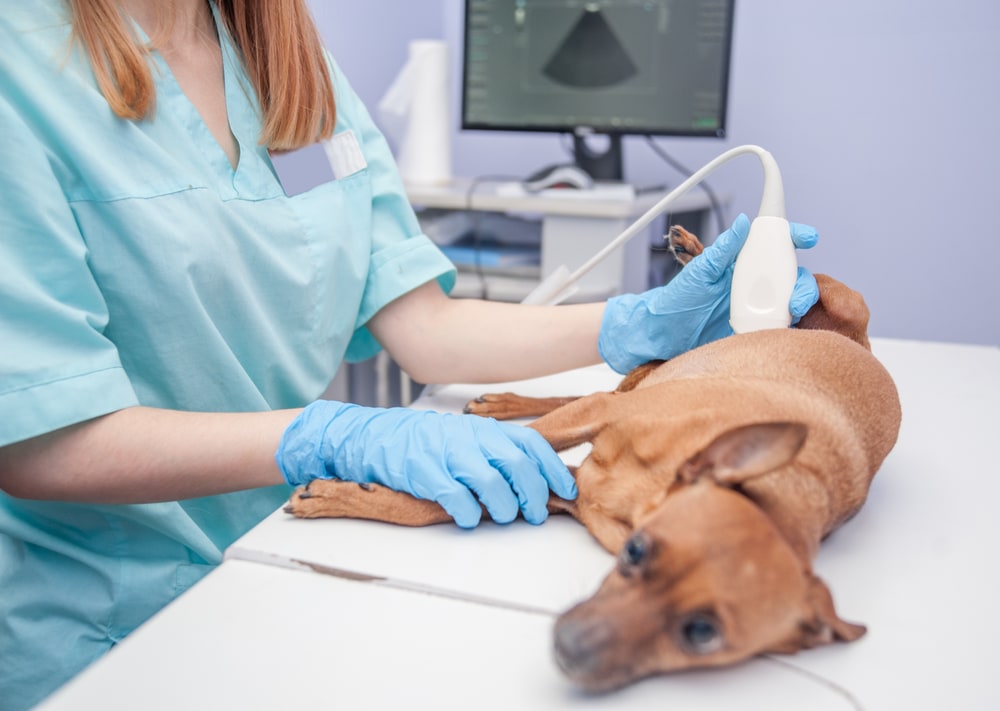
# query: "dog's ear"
{"type": "Point", "coordinates": [744, 452]}
{"type": "Point", "coordinates": [819, 623]}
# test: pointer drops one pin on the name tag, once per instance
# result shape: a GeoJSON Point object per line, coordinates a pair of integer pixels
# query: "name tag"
{"type": "Point", "coordinates": [344, 154]}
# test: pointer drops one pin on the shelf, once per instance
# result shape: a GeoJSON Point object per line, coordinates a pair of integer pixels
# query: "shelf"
{"type": "Point", "coordinates": [604, 201]}
{"type": "Point", "coordinates": [571, 227]}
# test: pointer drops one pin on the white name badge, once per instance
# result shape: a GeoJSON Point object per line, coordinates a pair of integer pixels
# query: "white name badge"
{"type": "Point", "coordinates": [344, 154]}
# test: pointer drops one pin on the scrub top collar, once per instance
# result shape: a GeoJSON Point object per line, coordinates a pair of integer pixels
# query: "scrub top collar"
{"type": "Point", "coordinates": [253, 177]}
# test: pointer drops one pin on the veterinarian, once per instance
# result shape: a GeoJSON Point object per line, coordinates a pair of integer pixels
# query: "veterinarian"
{"type": "Point", "coordinates": [166, 312]}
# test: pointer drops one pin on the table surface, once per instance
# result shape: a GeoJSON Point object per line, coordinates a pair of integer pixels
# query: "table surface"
{"type": "Point", "coordinates": [368, 615]}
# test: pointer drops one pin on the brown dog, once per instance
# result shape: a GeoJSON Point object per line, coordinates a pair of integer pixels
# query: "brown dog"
{"type": "Point", "coordinates": [714, 476]}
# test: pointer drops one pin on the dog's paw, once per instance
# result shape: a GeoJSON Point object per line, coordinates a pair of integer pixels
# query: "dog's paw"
{"type": "Point", "coordinates": [490, 405]}
{"type": "Point", "coordinates": [328, 498]}
{"type": "Point", "coordinates": [332, 498]}
{"type": "Point", "coordinates": [684, 245]}
{"type": "Point", "coordinates": [508, 406]}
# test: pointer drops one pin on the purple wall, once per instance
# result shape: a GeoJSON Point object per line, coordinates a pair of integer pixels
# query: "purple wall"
{"type": "Point", "coordinates": [881, 115]}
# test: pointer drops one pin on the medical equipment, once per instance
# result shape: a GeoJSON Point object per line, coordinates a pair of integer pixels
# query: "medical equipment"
{"type": "Point", "coordinates": [765, 271]}
{"type": "Point", "coordinates": [598, 71]}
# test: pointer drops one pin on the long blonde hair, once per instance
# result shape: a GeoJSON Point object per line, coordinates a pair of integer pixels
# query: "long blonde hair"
{"type": "Point", "coordinates": [281, 50]}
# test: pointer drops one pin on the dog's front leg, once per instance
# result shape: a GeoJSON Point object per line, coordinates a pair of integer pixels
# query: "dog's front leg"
{"type": "Point", "coordinates": [508, 406]}
{"type": "Point", "coordinates": [332, 498]}
{"type": "Point", "coordinates": [574, 423]}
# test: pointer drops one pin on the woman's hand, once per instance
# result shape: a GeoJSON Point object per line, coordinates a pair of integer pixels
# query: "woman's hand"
{"type": "Point", "coordinates": [459, 461]}
{"type": "Point", "coordinates": [693, 308]}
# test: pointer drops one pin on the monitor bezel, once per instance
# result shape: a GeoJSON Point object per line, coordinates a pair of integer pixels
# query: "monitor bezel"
{"type": "Point", "coordinates": [584, 130]}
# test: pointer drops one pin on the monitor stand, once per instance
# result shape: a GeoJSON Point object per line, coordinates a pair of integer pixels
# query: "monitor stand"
{"type": "Point", "coordinates": [603, 166]}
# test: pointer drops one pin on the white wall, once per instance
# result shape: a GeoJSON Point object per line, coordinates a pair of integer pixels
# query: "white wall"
{"type": "Point", "coordinates": [882, 116]}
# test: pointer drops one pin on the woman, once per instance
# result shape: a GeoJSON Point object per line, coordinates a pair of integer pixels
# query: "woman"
{"type": "Point", "coordinates": [167, 310]}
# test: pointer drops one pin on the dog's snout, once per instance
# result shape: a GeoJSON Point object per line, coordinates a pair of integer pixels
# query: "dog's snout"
{"type": "Point", "coordinates": [578, 644]}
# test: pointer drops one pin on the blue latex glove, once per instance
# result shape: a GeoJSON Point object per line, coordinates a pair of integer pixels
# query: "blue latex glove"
{"type": "Point", "coordinates": [692, 308]}
{"type": "Point", "coordinates": [456, 460]}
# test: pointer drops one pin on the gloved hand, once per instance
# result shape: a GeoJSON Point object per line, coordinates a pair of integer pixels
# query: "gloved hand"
{"type": "Point", "coordinates": [451, 459]}
{"type": "Point", "coordinates": [692, 308]}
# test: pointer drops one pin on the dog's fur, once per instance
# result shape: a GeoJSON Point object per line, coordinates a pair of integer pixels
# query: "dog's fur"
{"type": "Point", "coordinates": [714, 476]}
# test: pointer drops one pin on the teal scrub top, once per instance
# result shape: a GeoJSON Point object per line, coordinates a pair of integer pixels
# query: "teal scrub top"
{"type": "Point", "coordinates": [138, 268]}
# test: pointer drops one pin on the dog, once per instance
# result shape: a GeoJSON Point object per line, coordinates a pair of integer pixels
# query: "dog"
{"type": "Point", "coordinates": [713, 477]}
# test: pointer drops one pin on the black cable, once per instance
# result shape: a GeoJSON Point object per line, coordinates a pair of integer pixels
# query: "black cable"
{"type": "Point", "coordinates": [477, 216]}
{"type": "Point", "coordinates": [566, 139]}
{"type": "Point", "coordinates": [676, 165]}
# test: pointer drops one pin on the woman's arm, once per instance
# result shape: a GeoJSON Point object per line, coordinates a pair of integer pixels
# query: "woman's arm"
{"type": "Point", "coordinates": [437, 339]}
{"type": "Point", "coordinates": [142, 455]}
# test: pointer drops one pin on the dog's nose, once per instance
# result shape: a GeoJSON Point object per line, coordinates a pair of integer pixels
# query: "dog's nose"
{"type": "Point", "coordinates": [579, 643]}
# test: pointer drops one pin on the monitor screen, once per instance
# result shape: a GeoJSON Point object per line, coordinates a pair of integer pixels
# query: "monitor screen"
{"type": "Point", "coordinates": [597, 66]}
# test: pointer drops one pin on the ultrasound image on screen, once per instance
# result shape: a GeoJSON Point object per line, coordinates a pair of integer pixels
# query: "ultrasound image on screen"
{"type": "Point", "coordinates": [590, 55]}
{"type": "Point", "coordinates": [649, 66]}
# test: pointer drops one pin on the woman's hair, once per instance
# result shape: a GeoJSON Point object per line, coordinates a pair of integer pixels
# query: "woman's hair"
{"type": "Point", "coordinates": [281, 51]}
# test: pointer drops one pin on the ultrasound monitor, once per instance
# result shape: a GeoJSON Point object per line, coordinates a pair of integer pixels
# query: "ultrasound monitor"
{"type": "Point", "coordinates": [616, 67]}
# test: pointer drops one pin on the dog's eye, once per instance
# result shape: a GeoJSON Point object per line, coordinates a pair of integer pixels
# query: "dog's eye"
{"type": "Point", "coordinates": [700, 634]}
{"type": "Point", "coordinates": [634, 552]}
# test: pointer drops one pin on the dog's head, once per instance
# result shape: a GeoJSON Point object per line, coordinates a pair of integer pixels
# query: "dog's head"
{"type": "Point", "coordinates": [706, 579]}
